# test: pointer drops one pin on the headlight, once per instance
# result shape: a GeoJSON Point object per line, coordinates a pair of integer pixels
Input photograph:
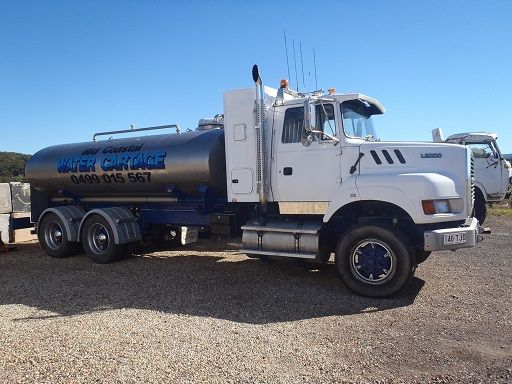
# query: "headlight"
{"type": "Point", "coordinates": [431, 207]}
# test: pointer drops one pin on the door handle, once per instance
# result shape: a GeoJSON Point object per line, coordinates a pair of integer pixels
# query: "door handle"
{"type": "Point", "coordinates": [287, 171]}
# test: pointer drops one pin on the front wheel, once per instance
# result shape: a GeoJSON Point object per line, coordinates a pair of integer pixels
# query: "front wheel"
{"type": "Point", "coordinates": [375, 261]}
{"type": "Point", "coordinates": [422, 256]}
{"type": "Point", "coordinates": [98, 241]}
{"type": "Point", "coordinates": [480, 209]}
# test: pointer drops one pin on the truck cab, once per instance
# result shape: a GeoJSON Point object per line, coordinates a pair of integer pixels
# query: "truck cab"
{"type": "Point", "coordinates": [492, 171]}
{"type": "Point", "coordinates": [361, 198]}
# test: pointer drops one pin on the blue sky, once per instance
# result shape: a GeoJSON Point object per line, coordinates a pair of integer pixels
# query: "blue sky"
{"type": "Point", "coordinates": [71, 68]}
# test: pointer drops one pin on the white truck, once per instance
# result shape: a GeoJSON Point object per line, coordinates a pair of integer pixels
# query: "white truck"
{"type": "Point", "coordinates": [493, 173]}
{"type": "Point", "coordinates": [385, 205]}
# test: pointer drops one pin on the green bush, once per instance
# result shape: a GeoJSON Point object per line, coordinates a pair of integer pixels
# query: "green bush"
{"type": "Point", "coordinates": [12, 166]}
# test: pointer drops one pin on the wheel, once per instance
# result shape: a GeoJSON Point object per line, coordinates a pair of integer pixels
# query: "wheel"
{"type": "Point", "coordinates": [480, 209]}
{"type": "Point", "coordinates": [98, 241]}
{"type": "Point", "coordinates": [375, 261]}
{"type": "Point", "coordinates": [53, 237]}
{"type": "Point", "coordinates": [422, 256]}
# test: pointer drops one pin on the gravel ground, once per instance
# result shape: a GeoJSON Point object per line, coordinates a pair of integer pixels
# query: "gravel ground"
{"type": "Point", "coordinates": [199, 315]}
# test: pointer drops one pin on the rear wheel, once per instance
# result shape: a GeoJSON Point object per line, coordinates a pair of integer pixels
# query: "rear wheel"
{"type": "Point", "coordinates": [53, 237]}
{"type": "Point", "coordinates": [98, 241]}
{"type": "Point", "coordinates": [375, 261]}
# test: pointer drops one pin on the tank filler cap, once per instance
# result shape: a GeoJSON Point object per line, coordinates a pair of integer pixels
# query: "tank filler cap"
{"type": "Point", "coordinates": [211, 123]}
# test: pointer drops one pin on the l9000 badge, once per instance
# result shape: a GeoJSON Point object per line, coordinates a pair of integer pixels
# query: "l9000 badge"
{"type": "Point", "coordinates": [431, 155]}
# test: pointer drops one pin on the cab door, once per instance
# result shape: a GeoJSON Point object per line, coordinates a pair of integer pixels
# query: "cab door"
{"type": "Point", "coordinates": [307, 169]}
{"type": "Point", "coordinates": [489, 169]}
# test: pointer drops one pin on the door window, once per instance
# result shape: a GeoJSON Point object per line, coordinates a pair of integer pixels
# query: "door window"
{"type": "Point", "coordinates": [483, 151]}
{"type": "Point", "coordinates": [294, 130]}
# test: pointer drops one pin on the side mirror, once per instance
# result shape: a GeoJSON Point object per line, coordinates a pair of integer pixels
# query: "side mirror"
{"type": "Point", "coordinates": [309, 116]}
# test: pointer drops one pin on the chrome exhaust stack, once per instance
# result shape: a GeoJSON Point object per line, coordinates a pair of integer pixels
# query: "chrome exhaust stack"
{"type": "Point", "coordinates": [261, 141]}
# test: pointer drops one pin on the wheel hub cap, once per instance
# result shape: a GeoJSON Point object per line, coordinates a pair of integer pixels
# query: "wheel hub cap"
{"type": "Point", "coordinates": [373, 262]}
{"type": "Point", "coordinates": [98, 238]}
{"type": "Point", "coordinates": [53, 235]}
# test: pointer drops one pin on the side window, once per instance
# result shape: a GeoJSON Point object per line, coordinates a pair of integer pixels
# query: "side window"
{"type": "Point", "coordinates": [325, 120]}
{"type": "Point", "coordinates": [483, 151]}
{"type": "Point", "coordinates": [293, 129]}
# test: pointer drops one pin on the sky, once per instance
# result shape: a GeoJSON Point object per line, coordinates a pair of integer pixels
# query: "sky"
{"type": "Point", "coordinates": [72, 68]}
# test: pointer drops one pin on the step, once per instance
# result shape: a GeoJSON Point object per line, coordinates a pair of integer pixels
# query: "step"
{"type": "Point", "coordinates": [309, 256]}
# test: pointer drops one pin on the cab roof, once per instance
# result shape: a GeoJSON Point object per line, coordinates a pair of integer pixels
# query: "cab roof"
{"type": "Point", "coordinates": [377, 107]}
{"type": "Point", "coordinates": [472, 137]}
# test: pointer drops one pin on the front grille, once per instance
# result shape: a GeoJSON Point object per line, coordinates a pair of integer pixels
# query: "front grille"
{"type": "Point", "coordinates": [470, 186]}
{"type": "Point", "coordinates": [472, 175]}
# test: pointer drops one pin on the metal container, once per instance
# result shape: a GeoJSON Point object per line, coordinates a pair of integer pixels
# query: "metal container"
{"type": "Point", "coordinates": [147, 166]}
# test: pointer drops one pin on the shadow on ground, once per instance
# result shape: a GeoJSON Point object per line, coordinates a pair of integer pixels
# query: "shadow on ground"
{"type": "Point", "coordinates": [189, 282]}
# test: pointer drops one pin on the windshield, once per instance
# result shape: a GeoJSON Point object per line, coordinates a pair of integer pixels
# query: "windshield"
{"type": "Point", "coordinates": [357, 119]}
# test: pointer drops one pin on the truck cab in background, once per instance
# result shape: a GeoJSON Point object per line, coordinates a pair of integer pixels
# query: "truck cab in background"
{"type": "Point", "coordinates": [493, 173]}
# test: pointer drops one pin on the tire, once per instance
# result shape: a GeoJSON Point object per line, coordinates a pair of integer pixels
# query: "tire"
{"type": "Point", "coordinates": [98, 241]}
{"type": "Point", "coordinates": [53, 237]}
{"type": "Point", "coordinates": [375, 261]}
{"type": "Point", "coordinates": [480, 209]}
{"type": "Point", "coordinates": [422, 256]}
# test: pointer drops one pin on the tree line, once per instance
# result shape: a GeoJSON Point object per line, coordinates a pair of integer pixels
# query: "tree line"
{"type": "Point", "coordinates": [12, 166]}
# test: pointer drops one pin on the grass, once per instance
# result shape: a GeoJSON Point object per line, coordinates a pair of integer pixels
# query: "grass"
{"type": "Point", "coordinates": [500, 211]}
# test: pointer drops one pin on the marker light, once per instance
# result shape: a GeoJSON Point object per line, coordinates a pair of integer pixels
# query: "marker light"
{"type": "Point", "coordinates": [428, 207]}
{"type": "Point", "coordinates": [283, 83]}
{"type": "Point", "coordinates": [331, 91]}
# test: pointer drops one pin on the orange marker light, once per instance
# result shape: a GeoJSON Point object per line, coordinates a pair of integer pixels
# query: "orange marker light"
{"type": "Point", "coordinates": [429, 208]}
{"type": "Point", "coordinates": [284, 83]}
{"type": "Point", "coordinates": [331, 91]}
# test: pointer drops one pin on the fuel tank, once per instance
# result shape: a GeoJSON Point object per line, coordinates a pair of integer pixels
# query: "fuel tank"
{"type": "Point", "coordinates": [146, 166]}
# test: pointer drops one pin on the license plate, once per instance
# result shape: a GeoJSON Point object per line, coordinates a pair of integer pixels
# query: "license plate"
{"type": "Point", "coordinates": [455, 238]}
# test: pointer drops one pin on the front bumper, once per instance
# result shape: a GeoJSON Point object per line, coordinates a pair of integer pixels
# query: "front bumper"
{"type": "Point", "coordinates": [443, 239]}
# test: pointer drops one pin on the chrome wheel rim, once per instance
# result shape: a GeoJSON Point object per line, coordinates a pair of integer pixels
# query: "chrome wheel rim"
{"type": "Point", "coordinates": [53, 235]}
{"type": "Point", "coordinates": [373, 262]}
{"type": "Point", "coordinates": [98, 238]}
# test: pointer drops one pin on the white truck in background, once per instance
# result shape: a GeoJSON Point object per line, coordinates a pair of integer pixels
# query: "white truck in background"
{"type": "Point", "coordinates": [493, 173]}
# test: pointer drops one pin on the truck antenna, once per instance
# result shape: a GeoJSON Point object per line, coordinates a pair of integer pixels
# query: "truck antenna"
{"type": "Point", "coordinates": [302, 65]}
{"type": "Point", "coordinates": [286, 51]}
{"type": "Point", "coordinates": [295, 64]}
{"type": "Point", "coordinates": [314, 61]}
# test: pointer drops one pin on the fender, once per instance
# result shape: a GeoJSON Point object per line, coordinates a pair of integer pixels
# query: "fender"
{"type": "Point", "coordinates": [122, 221]}
{"type": "Point", "coordinates": [481, 187]}
{"type": "Point", "coordinates": [403, 190]}
{"type": "Point", "coordinates": [70, 215]}
{"type": "Point", "coordinates": [347, 193]}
